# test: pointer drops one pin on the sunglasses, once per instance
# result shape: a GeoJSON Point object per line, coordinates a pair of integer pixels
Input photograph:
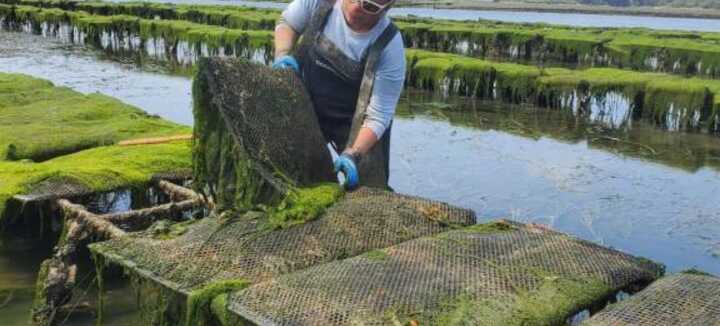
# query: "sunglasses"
{"type": "Point", "coordinates": [373, 7]}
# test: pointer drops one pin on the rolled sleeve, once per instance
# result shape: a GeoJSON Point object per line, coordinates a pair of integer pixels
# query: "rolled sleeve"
{"type": "Point", "coordinates": [388, 86]}
{"type": "Point", "coordinates": [297, 14]}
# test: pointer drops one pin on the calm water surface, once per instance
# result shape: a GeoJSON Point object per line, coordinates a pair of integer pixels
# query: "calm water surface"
{"type": "Point", "coordinates": [571, 19]}
{"type": "Point", "coordinates": [527, 164]}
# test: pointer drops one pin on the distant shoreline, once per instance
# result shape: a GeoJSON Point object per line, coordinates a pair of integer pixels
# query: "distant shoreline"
{"type": "Point", "coordinates": [580, 9]}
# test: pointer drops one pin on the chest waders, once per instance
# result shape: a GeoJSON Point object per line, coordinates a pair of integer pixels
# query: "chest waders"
{"type": "Point", "coordinates": [340, 89]}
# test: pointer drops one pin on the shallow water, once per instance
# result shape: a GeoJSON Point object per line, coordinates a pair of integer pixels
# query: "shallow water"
{"type": "Point", "coordinates": [643, 191]}
{"type": "Point", "coordinates": [78, 68]}
{"type": "Point", "coordinates": [571, 19]}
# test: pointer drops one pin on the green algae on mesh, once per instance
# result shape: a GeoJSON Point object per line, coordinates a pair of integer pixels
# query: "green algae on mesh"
{"type": "Point", "coordinates": [685, 99]}
{"type": "Point", "coordinates": [98, 169]}
{"type": "Point", "coordinates": [221, 315]}
{"type": "Point", "coordinates": [226, 16]}
{"type": "Point", "coordinates": [647, 50]}
{"type": "Point", "coordinates": [376, 255]}
{"type": "Point", "coordinates": [657, 93]}
{"type": "Point", "coordinates": [100, 264]}
{"type": "Point", "coordinates": [303, 204]}
{"type": "Point", "coordinates": [166, 230]}
{"type": "Point", "coordinates": [40, 299]}
{"type": "Point", "coordinates": [694, 271]}
{"type": "Point", "coordinates": [199, 310]}
{"type": "Point", "coordinates": [216, 157]}
{"type": "Point", "coordinates": [39, 121]}
{"type": "Point", "coordinates": [490, 228]}
{"type": "Point", "coordinates": [244, 43]}
{"type": "Point", "coordinates": [551, 303]}
{"type": "Point", "coordinates": [643, 141]}
{"type": "Point", "coordinates": [158, 305]}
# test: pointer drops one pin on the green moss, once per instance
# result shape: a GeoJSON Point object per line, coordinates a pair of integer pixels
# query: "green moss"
{"type": "Point", "coordinates": [653, 94]}
{"type": "Point", "coordinates": [694, 271]}
{"type": "Point", "coordinates": [376, 255]}
{"type": "Point", "coordinates": [40, 299]}
{"type": "Point", "coordinates": [34, 114]}
{"type": "Point", "coordinates": [100, 265]}
{"type": "Point", "coordinates": [304, 204]}
{"type": "Point", "coordinates": [199, 310]}
{"type": "Point", "coordinates": [39, 121]}
{"type": "Point", "coordinates": [158, 305]}
{"type": "Point", "coordinates": [490, 228]}
{"type": "Point", "coordinates": [222, 316]}
{"type": "Point", "coordinates": [551, 303]}
{"type": "Point", "coordinates": [686, 97]}
{"type": "Point", "coordinates": [217, 160]}
{"type": "Point", "coordinates": [166, 230]}
{"type": "Point", "coordinates": [172, 31]}
{"type": "Point", "coordinates": [99, 169]}
{"type": "Point", "coordinates": [678, 52]}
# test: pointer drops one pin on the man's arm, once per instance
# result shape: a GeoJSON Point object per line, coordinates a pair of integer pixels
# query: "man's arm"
{"type": "Point", "coordinates": [292, 23]}
{"type": "Point", "coordinates": [364, 141]}
{"type": "Point", "coordinates": [388, 86]}
{"type": "Point", "coordinates": [285, 38]}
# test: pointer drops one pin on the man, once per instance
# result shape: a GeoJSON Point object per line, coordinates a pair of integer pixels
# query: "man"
{"type": "Point", "coordinates": [352, 61]}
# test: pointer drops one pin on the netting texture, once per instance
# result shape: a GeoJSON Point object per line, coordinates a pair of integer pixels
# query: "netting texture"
{"type": "Point", "coordinates": [214, 249]}
{"type": "Point", "coordinates": [680, 299]}
{"type": "Point", "coordinates": [55, 189]}
{"type": "Point", "coordinates": [423, 278]}
{"type": "Point", "coordinates": [256, 133]}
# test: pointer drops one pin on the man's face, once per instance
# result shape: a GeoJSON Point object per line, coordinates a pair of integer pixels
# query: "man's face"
{"type": "Point", "coordinates": [365, 12]}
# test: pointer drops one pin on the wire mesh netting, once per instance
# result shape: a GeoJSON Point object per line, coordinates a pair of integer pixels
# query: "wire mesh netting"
{"type": "Point", "coordinates": [497, 274]}
{"type": "Point", "coordinates": [680, 299]}
{"type": "Point", "coordinates": [54, 189]}
{"type": "Point", "coordinates": [256, 134]}
{"type": "Point", "coordinates": [217, 249]}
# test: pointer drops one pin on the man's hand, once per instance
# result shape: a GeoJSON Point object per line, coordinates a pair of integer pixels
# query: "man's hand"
{"type": "Point", "coordinates": [286, 62]}
{"type": "Point", "coordinates": [347, 164]}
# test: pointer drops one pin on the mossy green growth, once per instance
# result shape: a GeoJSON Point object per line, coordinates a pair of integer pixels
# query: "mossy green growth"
{"type": "Point", "coordinates": [694, 271]}
{"type": "Point", "coordinates": [688, 53]}
{"type": "Point", "coordinates": [551, 303]}
{"type": "Point", "coordinates": [166, 230]}
{"type": "Point", "coordinates": [98, 169]}
{"type": "Point", "coordinates": [39, 121]}
{"type": "Point", "coordinates": [685, 98]}
{"type": "Point", "coordinates": [490, 228]}
{"type": "Point", "coordinates": [221, 315]}
{"type": "Point", "coordinates": [40, 299]}
{"type": "Point", "coordinates": [376, 255]}
{"type": "Point", "coordinates": [199, 310]}
{"type": "Point", "coordinates": [303, 204]}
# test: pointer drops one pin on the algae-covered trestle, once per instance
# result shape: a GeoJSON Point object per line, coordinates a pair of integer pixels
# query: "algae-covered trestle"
{"type": "Point", "coordinates": [676, 99]}
{"type": "Point", "coordinates": [58, 147]}
{"type": "Point", "coordinates": [282, 247]}
{"type": "Point", "coordinates": [677, 52]}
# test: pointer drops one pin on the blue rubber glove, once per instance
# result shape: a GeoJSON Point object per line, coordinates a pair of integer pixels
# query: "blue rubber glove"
{"type": "Point", "coordinates": [286, 62]}
{"type": "Point", "coordinates": [346, 164]}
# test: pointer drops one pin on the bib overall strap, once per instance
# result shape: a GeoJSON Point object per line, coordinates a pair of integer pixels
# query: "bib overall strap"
{"type": "Point", "coordinates": [374, 169]}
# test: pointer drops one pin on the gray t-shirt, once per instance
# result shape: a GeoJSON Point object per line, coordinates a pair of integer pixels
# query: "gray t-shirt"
{"type": "Point", "coordinates": [390, 74]}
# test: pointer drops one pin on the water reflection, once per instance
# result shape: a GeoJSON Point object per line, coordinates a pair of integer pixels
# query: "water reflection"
{"type": "Point", "coordinates": [84, 70]}
{"type": "Point", "coordinates": [544, 166]}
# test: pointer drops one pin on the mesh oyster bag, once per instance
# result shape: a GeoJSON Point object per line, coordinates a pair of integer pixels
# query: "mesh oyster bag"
{"type": "Point", "coordinates": [680, 299]}
{"type": "Point", "coordinates": [215, 249]}
{"type": "Point", "coordinates": [256, 134]}
{"type": "Point", "coordinates": [497, 274]}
